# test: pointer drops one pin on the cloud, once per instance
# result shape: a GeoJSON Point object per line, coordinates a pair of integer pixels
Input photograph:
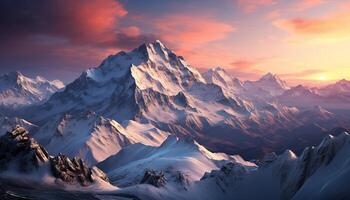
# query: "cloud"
{"type": "Point", "coordinates": [186, 32]}
{"type": "Point", "coordinates": [63, 35]}
{"type": "Point", "coordinates": [77, 21]}
{"type": "Point", "coordinates": [310, 77]}
{"type": "Point", "coordinates": [247, 69]}
{"type": "Point", "coordinates": [131, 31]}
{"type": "Point", "coordinates": [273, 15]}
{"type": "Point", "coordinates": [250, 6]}
{"type": "Point", "coordinates": [303, 5]}
{"type": "Point", "coordinates": [332, 27]}
{"type": "Point", "coordinates": [303, 74]}
{"type": "Point", "coordinates": [244, 64]}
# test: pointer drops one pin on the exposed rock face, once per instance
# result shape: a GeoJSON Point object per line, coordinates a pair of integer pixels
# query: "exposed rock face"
{"type": "Point", "coordinates": [230, 169]}
{"type": "Point", "coordinates": [182, 178]}
{"type": "Point", "coordinates": [75, 170]}
{"type": "Point", "coordinates": [18, 149]}
{"type": "Point", "coordinates": [154, 178]}
{"type": "Point", "coordinates": [17, 145]}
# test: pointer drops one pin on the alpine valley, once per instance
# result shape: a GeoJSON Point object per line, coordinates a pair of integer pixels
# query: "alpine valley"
{"type": "Point", "coordinates": [145, 124]}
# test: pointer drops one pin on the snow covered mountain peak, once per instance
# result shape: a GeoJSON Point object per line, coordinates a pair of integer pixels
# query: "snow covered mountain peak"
{"type": "Point", "coordinates": [267, 86]}
{"type": "Point", "coordinates": [18, 90]}
{"type": "Point", "coordinates": [273, 79]}
{"type": "Point", "coordinates": [269, 76]}
{"type": "Point", "coordinates": [151, 65]}
{"type": "Point", "coordinates": [219, 76]}
{"type": "Point", "coordinates": [340, 88]}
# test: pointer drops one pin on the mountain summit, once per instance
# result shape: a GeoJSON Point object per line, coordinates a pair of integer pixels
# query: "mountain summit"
{"type": "Point", "coordinates": [268, 85]}
{"type": "Point", "coordinates": [19, 90]}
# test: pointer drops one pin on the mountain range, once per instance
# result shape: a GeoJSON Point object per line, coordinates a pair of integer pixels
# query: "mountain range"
{"type": "Point", "coordinates": [147, 116]}
{"type": "Point", "coordinates": [19, 90]}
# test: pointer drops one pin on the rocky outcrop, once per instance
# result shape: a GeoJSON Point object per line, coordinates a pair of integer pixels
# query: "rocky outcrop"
{"type": "Point", "coordinates": [19, 150]}
{"type": "Point", "coordinates": [75, 170]}
{"type": "Point", "coordinates": [182, 178]}
{"type": "Point", "coordinates": [17, 146]}
{"type": "Point", "coordinates": [154, 178]}
{"type": "Point", "coordinates": [228, 171]}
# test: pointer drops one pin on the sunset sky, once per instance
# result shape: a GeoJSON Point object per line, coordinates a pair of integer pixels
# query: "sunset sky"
{"type": "Point", "coordinates": [303, 41]}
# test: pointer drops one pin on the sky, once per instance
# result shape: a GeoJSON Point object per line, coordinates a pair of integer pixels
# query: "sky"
{"type": "Point", "coordinates": [302, 41]}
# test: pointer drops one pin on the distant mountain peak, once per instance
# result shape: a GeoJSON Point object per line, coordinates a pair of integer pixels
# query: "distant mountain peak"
{"type": "Point", "coordinates": [270, 77]}
{"type": "Point", "coordinates": [268, 85]}
{"type": "Point", "coordinates": [219, 69]}
{"type": "Point", "coordinates": [17, 89]}
{"type": "Point", "coordinates": [221, 77]}
{"type": "Point", "coordinates": [274, 79]}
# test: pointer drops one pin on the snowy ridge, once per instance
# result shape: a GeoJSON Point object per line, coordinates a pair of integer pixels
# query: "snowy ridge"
{"type": "Point", "coordinates": [319, 173]}
{"type": "Point", "coordinates": [93, 137]}
{"type": "Point", "coordinates": [221, 78]}
{"type": "Point", "coordinates": [174, 156]}
{"type": "Point", "coordinates": [333, 96]}
{"type": "Point", "coordinates": [19, 90]}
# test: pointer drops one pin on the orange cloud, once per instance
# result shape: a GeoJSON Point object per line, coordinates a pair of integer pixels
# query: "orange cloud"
{"type": "Point", "coordinates": [302, 74]}
{"type": "Point", "coordinates": [249, 6]}
{"type": "Point", "coordinates": [332, 27]}
{"type": "Point", "coordinates": [187, 32]}
{"type": "Point", "coordinates": [247, 69]}
{"type": "Point", "coordinates": [244, 64]}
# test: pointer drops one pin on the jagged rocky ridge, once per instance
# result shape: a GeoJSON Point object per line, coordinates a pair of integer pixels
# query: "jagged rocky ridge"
{"type": "Point", "coordinates": [23, 154]}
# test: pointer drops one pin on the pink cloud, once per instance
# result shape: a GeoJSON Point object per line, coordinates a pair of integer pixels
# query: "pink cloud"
{"type": "Point", "coordinates": [244, 64]}
{"type": "Point", "coordinates": [250, 6]}
{"type": "Point", "coordinates": [332, 26]}
{"type": "Point", "coordinates": [273, 15]}
{"type": "Point", "coordinates": [307, 4]}
{"type": "Point", "coordinates": [131, 31]}
{"type": "Point", "coordinates": [84, 20]}
{"type": "Point", "coordinates": [186, 32]}
{"type": "Point", "coordinates": [247, 69]}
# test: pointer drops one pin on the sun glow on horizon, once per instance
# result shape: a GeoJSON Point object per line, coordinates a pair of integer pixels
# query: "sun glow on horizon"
{"type": "Point", "coordinates": [322, 77]}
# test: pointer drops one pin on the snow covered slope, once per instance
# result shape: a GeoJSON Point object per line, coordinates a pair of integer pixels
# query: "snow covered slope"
{"type": "Point", "coordinates": [320, 172]}
{"type": "Point", "coordinates": [221, 78]}
{"type": "Point", "coordinates": [175, 156]}
{"type": "Point", "coordinates": [19, 90]}
{"type": "Point", "coordinates": [93, 137]}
